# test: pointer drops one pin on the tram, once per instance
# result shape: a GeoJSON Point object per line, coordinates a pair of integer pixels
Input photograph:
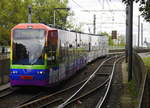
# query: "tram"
{"type": "Point", "coordinates": [43, 56]}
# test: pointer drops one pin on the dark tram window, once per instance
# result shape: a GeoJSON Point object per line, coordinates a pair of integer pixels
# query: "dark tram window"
{"type": "Point", "coordinates": [52, 47]}
{"type": "Point", "coordinates": [28, 47]}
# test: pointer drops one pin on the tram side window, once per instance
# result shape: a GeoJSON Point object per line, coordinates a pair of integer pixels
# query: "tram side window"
{"type": "Point", "coordinates": [62, 50]}
{"type": "Point", "coordinates": [52, 46]}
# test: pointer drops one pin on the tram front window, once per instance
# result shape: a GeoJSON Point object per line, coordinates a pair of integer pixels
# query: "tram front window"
{"type": "Point", "coordinates": [28, 47]}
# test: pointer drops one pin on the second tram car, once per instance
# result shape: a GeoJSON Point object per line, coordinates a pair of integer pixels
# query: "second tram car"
{"type": "Point", "coordinates": [43, 56]}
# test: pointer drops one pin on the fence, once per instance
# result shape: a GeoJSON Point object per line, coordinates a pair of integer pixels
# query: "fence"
{"type": "Point", "coordinates": [4, 71]}
{"type": "Point", "coordinates": [4, 65]}
{"type": "Point", "coordinates": [140, 77]}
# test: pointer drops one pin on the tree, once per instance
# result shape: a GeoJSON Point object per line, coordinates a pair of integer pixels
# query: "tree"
{"type": "Point", "coordinates": [144, 8]}
{"type": "Point", "coordinates": [128, 1]}
{"type": "Point", "coordinates": [110, 40]}
{"type": "Point", "coordinates": [121, 40]}
{"type": "Point", "coordinates": [13, 12]}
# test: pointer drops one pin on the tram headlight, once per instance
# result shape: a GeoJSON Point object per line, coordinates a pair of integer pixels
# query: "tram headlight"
{"type": "Point", "coordinates": [14, 72]}
{"type": "Point", "coordinates": [40, 72]}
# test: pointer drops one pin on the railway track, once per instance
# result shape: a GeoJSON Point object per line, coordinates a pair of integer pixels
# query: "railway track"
{"type": "Point", "coordinates": [8, 91]}
{"type": "Point", "coordinates": [76, 92]}
{"type": "Point", "coordinates": [102, 100]}
{"type": "Point", "coordinates": [10, 98]}
{"type": "Point", "coordinates": [102, 90]}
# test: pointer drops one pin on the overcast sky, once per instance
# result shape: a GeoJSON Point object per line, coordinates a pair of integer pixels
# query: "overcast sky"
{"type": "Point", "coordinates": [107, 20]}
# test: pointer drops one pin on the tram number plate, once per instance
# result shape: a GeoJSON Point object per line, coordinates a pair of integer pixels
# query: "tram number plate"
{"type": "Point", "coordinates": [26, 77]}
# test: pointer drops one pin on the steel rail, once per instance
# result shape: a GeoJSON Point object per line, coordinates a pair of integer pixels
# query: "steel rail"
{"type": "Point", "coordinates": [52, 102]}
{"type": "Point", "coordinates": [101, 101]}
{"type": "Point", "coordinates": [8, 92]}
{"type": "Point", "coordinates": [4, 87]}
{"type": "Point", "coordinates": [93, 75]}
{"type": "Point", "coordinates": [49, 96]}
{"type": "Point", "coordinates": [28, 100]}
{"type": "Point", "coordinates": [82, 96]}
{"type": "Point", "coordinates": [88, 93]}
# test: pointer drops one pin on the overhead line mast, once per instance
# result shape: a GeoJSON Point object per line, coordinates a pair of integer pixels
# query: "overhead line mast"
{"type": "Point", "coordinates": [94, 24]}
{"type": "Point", "coordinates": [130, 38]}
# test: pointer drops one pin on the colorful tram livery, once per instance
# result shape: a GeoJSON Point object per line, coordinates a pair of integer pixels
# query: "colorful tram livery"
{"type": "Point", "coordinates": [43, 56]}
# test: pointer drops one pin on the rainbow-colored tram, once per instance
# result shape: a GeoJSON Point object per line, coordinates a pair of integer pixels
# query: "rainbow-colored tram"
{"type": "Point", "coordinates": [43, 56]}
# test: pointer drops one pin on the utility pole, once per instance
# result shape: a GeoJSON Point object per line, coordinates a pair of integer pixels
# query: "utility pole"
{"type": "Point", "coordinates": [94, 24]}
{"type": "Point", "coordinates": [127, 32]}
{"type": "Point", "coordinates": [89, 30]}
{"type": "Point", "coordinates": [142, 34]}
{"type": "Point", "coordinates": [103, 4]}
{"type": "Point", "coordinates": [29, 14]}
{"type": "Point", "coordinates": [138, 30]}
{"type": "Point", "coordinates": [130, 30]}
{"type": "Point", "coordinates": [54, 17]}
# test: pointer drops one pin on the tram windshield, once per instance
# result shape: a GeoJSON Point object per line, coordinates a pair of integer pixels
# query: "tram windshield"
{"type": "Point", "coordinates": [28, 46]}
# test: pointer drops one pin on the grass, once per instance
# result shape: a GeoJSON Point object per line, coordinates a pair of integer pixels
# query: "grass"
{"type": "Point", "coordinates": [132, 88]}
{"type": "Point", "coordinates": [133, 92]}
{"type": "Point", "coordinates": [146, 61]}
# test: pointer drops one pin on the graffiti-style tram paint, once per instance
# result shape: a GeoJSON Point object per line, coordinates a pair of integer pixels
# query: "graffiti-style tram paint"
{"type": "Point", "coordinates": [43, 56]}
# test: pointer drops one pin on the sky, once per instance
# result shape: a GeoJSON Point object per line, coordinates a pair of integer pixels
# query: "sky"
{"type": "Point", "coordinates": [110, 15]}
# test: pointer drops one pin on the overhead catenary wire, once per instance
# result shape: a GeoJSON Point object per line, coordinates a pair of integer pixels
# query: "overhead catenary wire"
{"type": "Point", "coordinates": [99, 1]}
{"type": "Point", "coordinates": [108, 4]}
{"type": "Point", "coordinates": [91, 12]}
{"type": "Point", "coordinates": [80, 6]}
{"type": "Point", "coordinates": [77, 4]}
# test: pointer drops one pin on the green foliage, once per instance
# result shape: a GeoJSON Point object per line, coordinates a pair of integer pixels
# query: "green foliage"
{"type": "Point", "coordinates": [133, 91]}
{"type": "Point", "coordinates": [128, 1]}
{"type": "Point", "coordinates": [146, 61]}
{"type": "Point", "coordinates": [43, 11]}
{"type": "Point", "coordinates": [110, 40]}
{"type": "Point", "coordinates": [13, 12]}
{"type": "Point", "coordinates": [121, 40]}
{"type": "Point", "coordinates": [132, 88]}
{"type": "Point", "coordinates": [144, 8]}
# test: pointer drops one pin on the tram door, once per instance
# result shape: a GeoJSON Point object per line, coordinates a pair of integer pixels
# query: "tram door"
{"type": "Point", "coordinates": [52, 56]}
{"type": "Point", "coordinates": [52, 47]}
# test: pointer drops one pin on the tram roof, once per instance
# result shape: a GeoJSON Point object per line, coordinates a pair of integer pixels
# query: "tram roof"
{"type": "Point", "coordinates": [32, 26]}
